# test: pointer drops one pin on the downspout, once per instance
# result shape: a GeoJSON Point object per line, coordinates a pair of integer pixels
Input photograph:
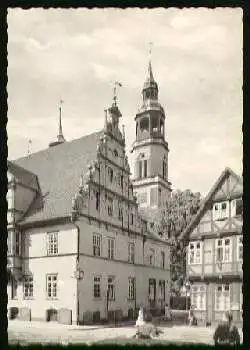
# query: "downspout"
{"type": "Point", "coordinates": [77, 264]}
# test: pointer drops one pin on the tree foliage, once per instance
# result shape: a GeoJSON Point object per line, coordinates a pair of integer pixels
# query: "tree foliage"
{"type": "Point", "coordinates": [179, 211]}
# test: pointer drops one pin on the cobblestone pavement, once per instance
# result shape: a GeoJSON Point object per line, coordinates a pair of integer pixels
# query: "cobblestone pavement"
{"type": "Point", "coordinates": [38, 332]}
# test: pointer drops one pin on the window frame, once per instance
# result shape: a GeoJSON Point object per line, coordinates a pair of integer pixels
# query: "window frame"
{"type": "Point", "coordinates": [53, 285]}
{"type": "Point", "coordinates": [110, 205]}
{"type": "Point", "coordinates": [111, 248]}
{"type": "Point", "coordinates": [200, 303]}
{"type": "Point", "coordinates": [196, 250]}
{"type": "Point", "coordinates": [131, 252]}
{"type": "Point", "coordinates": [111, 286]}
{"type": "Point", "coordinates": [163, 258]}
{"type": "Point", "coordinates": [151, 255]}
{"type": "Point", "coordinates": [223, 247]}
{"type": "Point", "coordinates": [239, 245]}
{"type": "Point", "coordinates": [28, 286]}
{"type": "Point", "coordinates": [97, 244]}
{"type": "Point", "coordinates": [162, 290]}
{"type": "Point", "coordinates": [131, 288]}
{"type": "Point", "coordinates": [223, 297]}
{"type": "Point", "coordinates": [52, 245]}
{"type": "Point", "coordinates": [110, 174]}
{"type": "Point", "coordinates": [97, 283]}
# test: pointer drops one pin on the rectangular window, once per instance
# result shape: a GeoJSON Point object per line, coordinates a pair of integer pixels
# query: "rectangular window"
{"type": "Point", "coordinates": [111, 248]}
{"type": "Point", "coordinates": [51, 286]}
{"type": "Point", "coordinates": [151, 289]}
{"type": "Point", "coordinates": [97, 286]}
{"type": "Point", "coordinates": [151, 256]}
{"type": "Point", "coordinates": [111, 288]}
{"type": "Point", "coordinates": [131, 252]}
{"type": "Point", "coordinates": [145, 168]}
{"type": "Point", "coordinates": [239, 207]}
{"type": "Point", "coordinates": [162, 260]}
{"type": "Point", "coordinates": [198, 297]}
{"type": "Point", "coordinates": [110, 206]}
{"type": "Point", "coordinates": [194, 253]}
{"type": "Point", "coordinates": [131, 219]}
{"type": "Point", "coordinates": [9, 243]}
{"type": "Point", "coordinates": [28, 287]}
{"type": "Point", "coordinates": [120, 210]}
{"type": "Point", "coordinates": [140, 169]}
{"type": "Point", "coordinates": [220, 210]}
{"type": "Point", "coordinates": [121, 181]}
{"type": "Point", "coordinates": [162, 290]}
{"type": "Point", "coordinates": [97, 245]}
{"type": "Point", "coordinates": [240, 248]}
{"type": "Point", "coordinates": [97, 200]}
{"type": "Point", "coordinates": [223, 250]}
{"type": "Point", "coordinates": [131, 288]}
{"type": "Point", "coordinates": [222, 297]}
{"type": "Point", "coordinates": [110, 174]}
{"type": "Point", "coordinates": [18, 243]}
{"type": "Point", "coordinates": [142, 197]}
{"type": "Point", "coordinates": [52, 243]}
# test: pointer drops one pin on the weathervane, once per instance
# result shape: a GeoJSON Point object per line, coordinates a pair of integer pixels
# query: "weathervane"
{"type": "Point", "coordinates": [116, 83]}
{"type": "Point", "coordinates": [150, 49]}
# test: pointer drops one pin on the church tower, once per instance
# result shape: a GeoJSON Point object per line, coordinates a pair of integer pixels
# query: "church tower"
{"type": "Point", "coordinates": [150, 149]}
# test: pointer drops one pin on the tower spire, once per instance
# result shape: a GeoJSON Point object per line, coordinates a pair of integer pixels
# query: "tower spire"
{"type": "Point", "coordinates": [150, 72]}
{"type": "Point", "coordinates": [60, 137]}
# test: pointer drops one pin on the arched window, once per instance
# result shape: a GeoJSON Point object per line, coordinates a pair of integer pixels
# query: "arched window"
{"type": "Point", "coordinates": [154, 124]}
{"type": "Point", "coordinates": [115, 153]}
{"type": "Point", "coordinates": [162, 127]}
{"type": "Point", "coordinates": [144, 124]}
{"type": "Point", "coordinates": [164, 168]}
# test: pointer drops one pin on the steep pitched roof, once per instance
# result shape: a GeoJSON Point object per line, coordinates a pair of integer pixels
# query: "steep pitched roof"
{"type": "Point", "coordinates": [24, 176]}
{"type": "Point", "coordinates": [59, 169]}
{"type": "Point", "coordinates": [206, 202]}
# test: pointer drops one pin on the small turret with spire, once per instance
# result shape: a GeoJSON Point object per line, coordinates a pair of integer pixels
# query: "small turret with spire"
{"type": "Point", "coordinates": [112, 116]}
{"type": "Point", "coordinates": [60, 137]}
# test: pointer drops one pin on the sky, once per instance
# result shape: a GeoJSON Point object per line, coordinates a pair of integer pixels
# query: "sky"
{"type": "Point", "coordinates": [77, 54]}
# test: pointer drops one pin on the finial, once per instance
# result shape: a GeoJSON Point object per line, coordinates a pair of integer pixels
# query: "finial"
{"type": "Point", "coordinates": [150, 50]}
{"type": "Point", "coordinates": [29, 146]}
{"type": "Point", "coordinates": [60, 136]}
{"type": "Point", "coordinates": [117, 83]}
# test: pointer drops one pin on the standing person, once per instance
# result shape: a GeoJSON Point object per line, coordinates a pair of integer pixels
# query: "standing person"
{"type": "Point", "coordinates": [168, 315]}
{"type": "Point", "coordinates": [191, 316]}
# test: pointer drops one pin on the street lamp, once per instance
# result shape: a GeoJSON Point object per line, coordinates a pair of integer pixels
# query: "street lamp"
{"type": "Point", "coordinates": [79, 275]}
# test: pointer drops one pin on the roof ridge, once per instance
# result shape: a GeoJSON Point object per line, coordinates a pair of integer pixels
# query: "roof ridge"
{"type": "Point", "coordinates": [56, 147]}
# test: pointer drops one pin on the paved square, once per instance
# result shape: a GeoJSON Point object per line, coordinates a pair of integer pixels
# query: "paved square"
{"type": "Point", "coordinates": [38, 332]}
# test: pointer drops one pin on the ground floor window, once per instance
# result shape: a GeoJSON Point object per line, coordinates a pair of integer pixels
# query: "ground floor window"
{"type": "Point", "coordinates": [222, 297]}
{"type": "Point", "coordinates": [51, 284]}
{"type": "Point", "coordinates": [198, 297]}
{"type": "Point", "coordinates": [97, 286]}
{"type": "Point", "coordinates": [28, 287]}
{"type": "Point", "coordinates": [111, 288]}
{"type": "Point", "coordinates": [131, 288]}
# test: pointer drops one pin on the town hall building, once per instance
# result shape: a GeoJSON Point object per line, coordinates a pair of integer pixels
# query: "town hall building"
{"type": "Point", "coordinates": [79, 251]}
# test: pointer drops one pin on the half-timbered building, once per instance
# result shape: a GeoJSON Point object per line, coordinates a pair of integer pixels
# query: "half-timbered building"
{"type": "Point", "coordinates": [215, 251]}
